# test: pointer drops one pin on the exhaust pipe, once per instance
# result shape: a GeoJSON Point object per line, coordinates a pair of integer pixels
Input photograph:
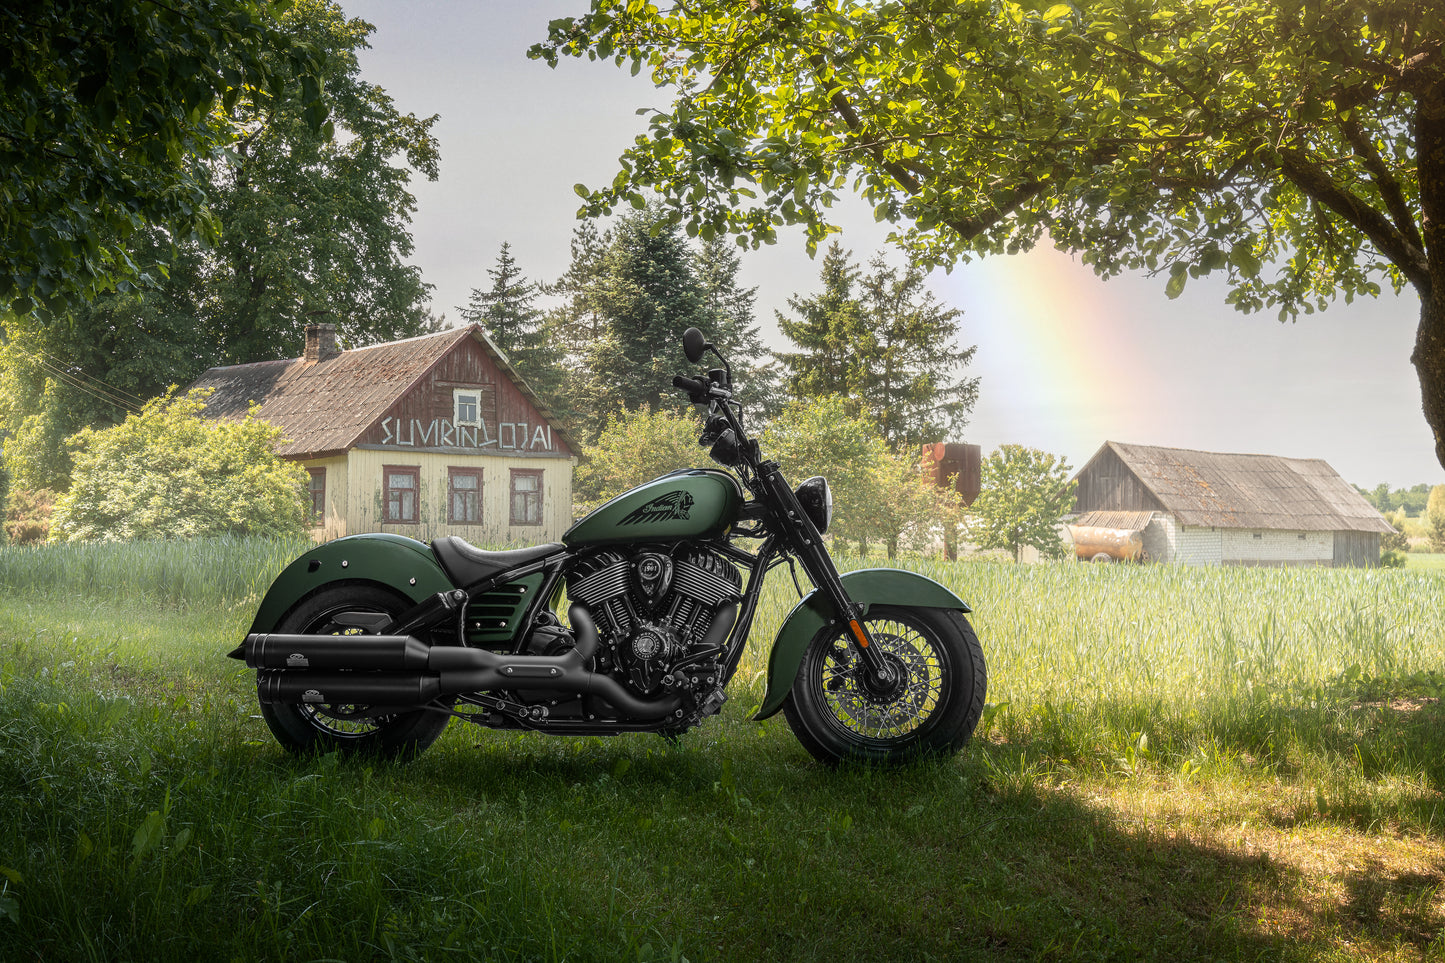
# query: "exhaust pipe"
{"type": "Point", "coordinates": [402, 670]}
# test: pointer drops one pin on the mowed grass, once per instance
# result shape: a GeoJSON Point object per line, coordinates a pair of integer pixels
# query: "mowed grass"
{"type": "Point", "coordinates": [1175, 764]}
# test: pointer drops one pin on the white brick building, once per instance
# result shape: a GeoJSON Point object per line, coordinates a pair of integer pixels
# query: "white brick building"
{"type": "Point", "coordinates": [1206, 508]}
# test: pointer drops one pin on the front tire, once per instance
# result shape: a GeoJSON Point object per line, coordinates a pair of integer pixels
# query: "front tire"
{"type": "Point", "coordinates": [337, 728]}
{"type": "Point", "coordinates": [932, 709]}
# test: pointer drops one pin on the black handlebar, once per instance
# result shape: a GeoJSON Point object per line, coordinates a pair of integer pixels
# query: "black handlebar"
{"type": "Point", "coordinates": [689, 385]}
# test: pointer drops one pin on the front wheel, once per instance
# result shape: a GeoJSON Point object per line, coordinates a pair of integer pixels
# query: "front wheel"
{"type": "Point", "coordinates": [930, 706]}
{"type": "Point", "coordinates": [341, 610]}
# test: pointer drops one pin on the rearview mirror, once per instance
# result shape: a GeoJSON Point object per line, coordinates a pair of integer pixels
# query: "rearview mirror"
{"type": "Point", "coordinates": [694, 343]}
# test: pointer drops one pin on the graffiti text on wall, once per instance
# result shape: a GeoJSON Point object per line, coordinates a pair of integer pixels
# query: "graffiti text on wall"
{"type": "Point", "coordinates": [440, 433]}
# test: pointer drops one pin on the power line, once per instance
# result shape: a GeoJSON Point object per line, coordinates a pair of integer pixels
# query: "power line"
{"type": "Point", "coordinates": [104, 392]}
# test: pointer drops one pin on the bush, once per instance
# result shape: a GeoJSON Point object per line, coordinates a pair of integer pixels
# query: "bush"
{"type": "Point", "coordinates": [169, 472]}
{"type": "Point", "coordinates": [635, 447]}
{"type": "Point", "coordinates": [27, 516]}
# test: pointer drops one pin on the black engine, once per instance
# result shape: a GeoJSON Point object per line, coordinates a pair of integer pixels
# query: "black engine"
{"type": "Point", "coordinates": [654, 609]}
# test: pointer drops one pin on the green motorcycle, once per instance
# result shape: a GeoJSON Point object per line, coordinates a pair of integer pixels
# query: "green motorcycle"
{"type": "Point", "coordinates": [374, 643]}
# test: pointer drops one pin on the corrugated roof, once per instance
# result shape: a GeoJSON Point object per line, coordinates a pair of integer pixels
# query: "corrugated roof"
{"type": "Point", "coordinates": [1125, 521]}
{"type": "Point", "coordinates": [326, 407]}
{"type": "Point", "coordinates": [1216, 490]}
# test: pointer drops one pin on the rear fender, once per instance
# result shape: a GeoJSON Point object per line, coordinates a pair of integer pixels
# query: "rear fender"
{"type": "Point", "coordinates": [402, 564]}
{"type": "Point", "coordinates": [867, 587]}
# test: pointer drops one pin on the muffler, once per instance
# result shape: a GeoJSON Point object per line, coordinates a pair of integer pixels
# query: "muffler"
{"type": "Point", "coordinates": [402, 670]}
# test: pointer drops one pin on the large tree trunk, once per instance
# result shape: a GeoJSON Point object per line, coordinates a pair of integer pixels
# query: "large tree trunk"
{"type": "Point", "coordinates": [1429, 354]}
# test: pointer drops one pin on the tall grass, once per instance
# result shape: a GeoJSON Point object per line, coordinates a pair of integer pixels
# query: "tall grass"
{"type": "Point", "coordinates": [220, 571]}
{"type": "Point", "coordinates": [149, 814]}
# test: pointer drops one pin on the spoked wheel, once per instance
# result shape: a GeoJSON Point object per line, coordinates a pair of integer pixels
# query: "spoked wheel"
{"type": "Point", "coordinates": [350, 610]}
{"type": "Point", "coordinates": [930, 704]}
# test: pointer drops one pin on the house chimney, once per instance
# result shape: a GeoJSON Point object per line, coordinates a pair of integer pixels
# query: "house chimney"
{"type": "Point", "coordinates": [321, 342]}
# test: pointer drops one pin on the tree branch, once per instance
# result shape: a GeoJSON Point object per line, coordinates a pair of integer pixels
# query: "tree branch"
{"type": "Point", "coordinates": [1390, 191]}
{"type": "Point", "coordinates": [1317, 185]}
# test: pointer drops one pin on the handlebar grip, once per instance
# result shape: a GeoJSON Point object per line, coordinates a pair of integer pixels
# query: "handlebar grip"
{"type": "Point", "coordinates": [689, 385]}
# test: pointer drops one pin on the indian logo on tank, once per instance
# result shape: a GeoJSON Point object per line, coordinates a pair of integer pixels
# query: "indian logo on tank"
{"type": "Point", "coordinates": [672, 507]}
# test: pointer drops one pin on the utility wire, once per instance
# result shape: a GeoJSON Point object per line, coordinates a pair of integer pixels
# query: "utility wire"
{"type": "Point", "coordinates": [79, 384]}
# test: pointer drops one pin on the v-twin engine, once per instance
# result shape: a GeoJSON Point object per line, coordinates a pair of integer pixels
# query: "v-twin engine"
{"type": "Point", "coordinates": [654, 609]}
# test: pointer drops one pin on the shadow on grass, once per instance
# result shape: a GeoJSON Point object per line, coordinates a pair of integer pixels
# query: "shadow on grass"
{"type": "Point", "coordinates": [733, 846]}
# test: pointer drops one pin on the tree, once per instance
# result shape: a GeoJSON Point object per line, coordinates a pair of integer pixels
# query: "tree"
{"type": "Point", "coordinates": [827, 330]}
{"type": "Point", "coordinates": [911, 511]}
{"type": "Point", "coordinates": [1435, 518]}
{"type": "Point", "coordinates": [110, 115]}
{"type": "Point", "coordinates": [630, 299]}
{"type": "Point", "coordinates": [169, 472]}
{"type": "Point", "coordinates": [509, 313]}
{"type": "Point", "coordinates": [910, 359]}
{"type": "Point", "coordinates": [886, 343]}
{"type": "Point", "coordinates": [1026, 493]}
{"type": "Point", "coordinates": [635, 447]}
{"type": "Point", "coordinates": [310, 228]}
{"type": "Point", "coordinates": [823, 436]}
{"type": "Point", "coordinates": [1298, 148]}
{"type": "Point", "coordinates": [727, 320]}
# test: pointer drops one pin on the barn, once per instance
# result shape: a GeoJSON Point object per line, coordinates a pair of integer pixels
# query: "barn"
{"type": "Point", "coordinates": [1207, 508]}
{"type": "Point", "coordinates": [429, 436]}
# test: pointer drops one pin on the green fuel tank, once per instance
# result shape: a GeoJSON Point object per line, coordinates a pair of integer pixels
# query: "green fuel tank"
{"type": "Point", "coordinates": [692, 503]}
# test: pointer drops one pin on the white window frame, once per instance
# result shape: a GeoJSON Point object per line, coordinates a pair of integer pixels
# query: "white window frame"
{"type": "Point", "coordinates": [476, 394]}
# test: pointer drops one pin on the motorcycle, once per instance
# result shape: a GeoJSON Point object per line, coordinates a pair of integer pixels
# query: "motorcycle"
{"type": "Point", "coordinates": [375, 642]}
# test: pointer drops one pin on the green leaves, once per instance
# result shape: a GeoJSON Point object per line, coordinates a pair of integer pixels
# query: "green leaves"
{"type": "Point", "coordinates": [113, 101]}
{"type": "Point", "coordinates": [1025, 494]}
{"type": "Point", "coordinates": [167, 472]}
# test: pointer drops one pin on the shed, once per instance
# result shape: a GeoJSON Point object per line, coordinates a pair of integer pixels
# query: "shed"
{"type": "Point", "coordinates": [423, 437]}
{"type": "Point", "coordinates": [1208, 508]}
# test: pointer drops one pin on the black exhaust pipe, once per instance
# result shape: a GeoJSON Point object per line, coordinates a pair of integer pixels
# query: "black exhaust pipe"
{"type": "Point", "coordinates": [383, 653]}
{"type": "Point", "coordinates": [401, 670]}
{"type": "Point", "coordinates": [346, 688]}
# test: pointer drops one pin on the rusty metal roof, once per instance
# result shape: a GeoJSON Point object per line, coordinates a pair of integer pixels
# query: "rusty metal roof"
{"type": "Point", "coordinates": [1216, 490]}
{"type": "Point", "coordinates": [1124, 521]}
{"type": "Point", "coordinates": [325, 407]}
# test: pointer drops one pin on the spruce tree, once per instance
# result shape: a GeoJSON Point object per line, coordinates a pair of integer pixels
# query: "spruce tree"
{"type": "Point", "coordinates": [508, 312]}
{"type": "Point", "coordinates": [885, 343]}
{"type": "Point", "coordinates": [731, 327]}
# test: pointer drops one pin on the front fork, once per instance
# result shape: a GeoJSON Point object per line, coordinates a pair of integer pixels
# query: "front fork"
{"type": "Point", "coordinates": [801, 537]}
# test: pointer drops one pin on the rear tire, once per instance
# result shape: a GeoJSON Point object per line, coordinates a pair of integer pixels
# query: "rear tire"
{"type": "Point", "coordinates": [933, 710]}
{"type": "Point", "coordinates": [337, 728]}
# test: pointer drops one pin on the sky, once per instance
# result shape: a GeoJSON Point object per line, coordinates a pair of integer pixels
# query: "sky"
{"type": "Point", "coordinates": [1067, 360]}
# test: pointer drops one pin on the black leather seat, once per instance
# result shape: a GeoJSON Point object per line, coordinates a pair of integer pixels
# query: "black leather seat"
{"type": "Point", "coordinates": [464, 563]}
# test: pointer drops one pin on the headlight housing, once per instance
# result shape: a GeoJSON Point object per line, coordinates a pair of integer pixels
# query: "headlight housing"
{"type": "Point", "coordinates": [817, 500]}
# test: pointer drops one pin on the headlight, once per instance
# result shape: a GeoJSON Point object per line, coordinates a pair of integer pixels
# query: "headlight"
{"type": "Point", "coordinates": [817, 500]}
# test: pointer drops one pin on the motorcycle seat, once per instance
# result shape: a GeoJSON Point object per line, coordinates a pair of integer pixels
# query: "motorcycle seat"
{"type": "Point", "coordinates": [464, 563]}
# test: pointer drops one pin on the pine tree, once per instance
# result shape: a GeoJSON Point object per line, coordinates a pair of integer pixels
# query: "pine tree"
{"type": "Point", "coordinates": [730, 326]}
{"type": "Point", "coordinates": [827, 331]}
{"type": "Point", "coordinates": [630, 295]}
{"type": "Point", "coordinates": [886, 344]}
{"type": "Point", "coordinates": [909, 360]}
{"type": "Point", "coordinates": [508, 312]}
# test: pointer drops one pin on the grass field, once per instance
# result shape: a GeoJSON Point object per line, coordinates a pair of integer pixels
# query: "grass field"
{"type": "Point", "coordinates": [1175, 764]}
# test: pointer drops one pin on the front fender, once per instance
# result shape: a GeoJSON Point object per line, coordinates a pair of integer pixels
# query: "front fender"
{"type": "Point", "coordinates": [400, 563]}
{"type": "Point", "coordinates": [865, 586]}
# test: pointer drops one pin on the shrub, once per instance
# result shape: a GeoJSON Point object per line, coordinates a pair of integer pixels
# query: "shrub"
{"type": "Point", "coordinates": [169, 472]}
{"type": "Point", "coordinates": [27, 516]}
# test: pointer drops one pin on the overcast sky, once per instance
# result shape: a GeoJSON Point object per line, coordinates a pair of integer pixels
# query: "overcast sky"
{"type": "Point", "coordinates": [1068, 361]}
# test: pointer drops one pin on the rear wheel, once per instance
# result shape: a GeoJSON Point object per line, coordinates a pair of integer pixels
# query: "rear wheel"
{"type": "Point", "coordinates": [343, 610]}
{"type": "Point", "coordinates": [931, 705]}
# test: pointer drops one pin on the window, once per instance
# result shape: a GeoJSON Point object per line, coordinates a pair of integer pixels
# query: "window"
{"type": "Point", "coordinates": [316, 488]}
{"type": "Point", "coordinates": [464, 496]}
{"type": "Point", "coordinates": [526, 496]}
{"type": "Point", "coordinates": [467, 406]}
{"type": "Point", "coordinates": [402, 485]}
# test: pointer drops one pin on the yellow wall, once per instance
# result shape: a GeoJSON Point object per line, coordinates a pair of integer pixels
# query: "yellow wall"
{"type": "Point", "coordinates": [354, 496]}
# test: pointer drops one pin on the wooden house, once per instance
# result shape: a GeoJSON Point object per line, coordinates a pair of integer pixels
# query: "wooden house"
{"type": "Point", "coordinates": [424, 437]}
{"type": "Point", "coordinates": [1205, 508]}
